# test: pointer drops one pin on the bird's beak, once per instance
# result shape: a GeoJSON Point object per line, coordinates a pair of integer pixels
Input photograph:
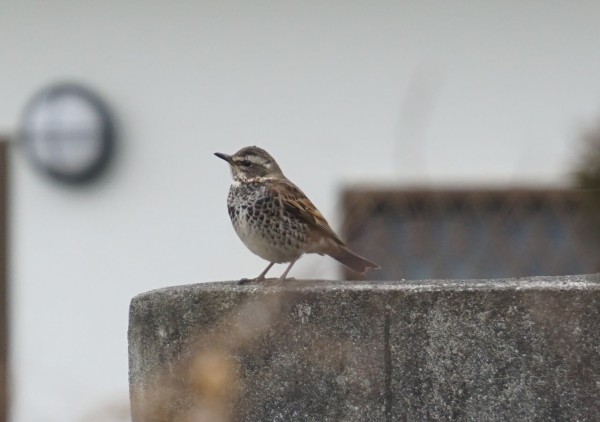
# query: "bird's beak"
{"type": "Point", "coordinates": [224, 157]}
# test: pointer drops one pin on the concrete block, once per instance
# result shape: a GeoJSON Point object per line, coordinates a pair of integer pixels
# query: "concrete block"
{"type": "Point", "coordinates": [478, 350]}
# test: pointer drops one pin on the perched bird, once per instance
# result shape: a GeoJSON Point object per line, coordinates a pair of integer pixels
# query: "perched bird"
{"type": "Point", "coordinates": [274, 218]}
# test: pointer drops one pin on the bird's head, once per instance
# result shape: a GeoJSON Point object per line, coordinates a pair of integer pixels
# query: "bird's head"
{"type": "Point", "coordinates": [252, 164]}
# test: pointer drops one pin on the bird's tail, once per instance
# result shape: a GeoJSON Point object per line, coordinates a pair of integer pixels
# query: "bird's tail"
{"type": "Point", "coordinates": [351, 260]}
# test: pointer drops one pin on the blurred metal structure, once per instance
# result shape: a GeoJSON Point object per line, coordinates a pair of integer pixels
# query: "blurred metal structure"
{"type": "Point", "coordinates": [3, 280]}
{"type": "Point", "coordinates": [469, 233]}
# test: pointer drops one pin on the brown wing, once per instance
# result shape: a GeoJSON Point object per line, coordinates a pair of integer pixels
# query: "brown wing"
{"type": "Point", "coordinates": [296, 202]}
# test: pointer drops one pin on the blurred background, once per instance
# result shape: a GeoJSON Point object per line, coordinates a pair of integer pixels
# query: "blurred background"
{"type": "Point", "coordinates": [414, 126]}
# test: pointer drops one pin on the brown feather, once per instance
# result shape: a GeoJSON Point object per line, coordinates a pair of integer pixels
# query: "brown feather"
{"type": "Point", "coordinates": [351, 259]}
{"type": "Point", "coordinates": [296, 202]}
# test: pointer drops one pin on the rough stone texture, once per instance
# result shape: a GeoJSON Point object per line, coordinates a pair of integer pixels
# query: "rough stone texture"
{"type": "Point", "coordinates": [480, 350]}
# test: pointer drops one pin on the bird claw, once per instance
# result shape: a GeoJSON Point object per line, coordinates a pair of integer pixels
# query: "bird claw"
{"type": "Point", "coordinates": [246, 281]}
{"type": "Point", "coordinates": [272, 282]}
{"type": "Point", "coordinates": [277, 281]}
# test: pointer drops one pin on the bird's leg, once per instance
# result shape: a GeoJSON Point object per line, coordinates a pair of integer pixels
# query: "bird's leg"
{"type": "Point", "coordinates": [287, 270]}
{"type": "Point", "coordinates": [260, 277]}
{"type": "Point", "coordinates": [280, 280]}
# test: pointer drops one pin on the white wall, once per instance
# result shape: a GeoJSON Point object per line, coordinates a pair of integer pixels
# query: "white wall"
{"type": "Point", "coordinates": [394, 91]}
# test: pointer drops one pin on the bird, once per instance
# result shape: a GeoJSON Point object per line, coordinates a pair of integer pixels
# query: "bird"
{"type": "Point", "coordinates": [275, 219]}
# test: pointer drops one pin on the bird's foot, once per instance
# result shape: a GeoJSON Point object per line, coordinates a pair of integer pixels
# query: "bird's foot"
{"type": "Point", "coordinates": [265, 281]}
{"type": "Point", "coordinates": [249, 280]}
{"type": "Point", "coordinates": [276, 281]}
{"type": "Point", "coordinates": [272, 282]}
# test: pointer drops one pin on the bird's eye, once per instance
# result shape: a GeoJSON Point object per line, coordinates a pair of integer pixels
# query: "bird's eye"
{"type": "Point", "coordinates": [246, 163]}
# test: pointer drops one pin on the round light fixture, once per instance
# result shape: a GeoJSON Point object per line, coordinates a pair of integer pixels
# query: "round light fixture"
{"type": "Point", "coordinates": [68, 133]}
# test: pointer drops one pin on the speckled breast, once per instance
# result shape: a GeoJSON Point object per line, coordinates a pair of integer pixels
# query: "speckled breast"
{"type": "Point", "coordinates": [263, 223]}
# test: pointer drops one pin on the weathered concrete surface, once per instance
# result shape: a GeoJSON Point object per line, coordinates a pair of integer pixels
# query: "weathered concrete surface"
{"type": "Point", "coordinates": [496, 350]}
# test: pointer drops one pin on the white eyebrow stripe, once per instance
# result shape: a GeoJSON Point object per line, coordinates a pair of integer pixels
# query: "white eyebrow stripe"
{"type": "Point", "coordinates": [253, 159]}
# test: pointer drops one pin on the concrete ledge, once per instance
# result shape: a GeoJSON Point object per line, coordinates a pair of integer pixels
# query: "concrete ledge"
{"type": "Point", "coordinates": [483, 350]}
